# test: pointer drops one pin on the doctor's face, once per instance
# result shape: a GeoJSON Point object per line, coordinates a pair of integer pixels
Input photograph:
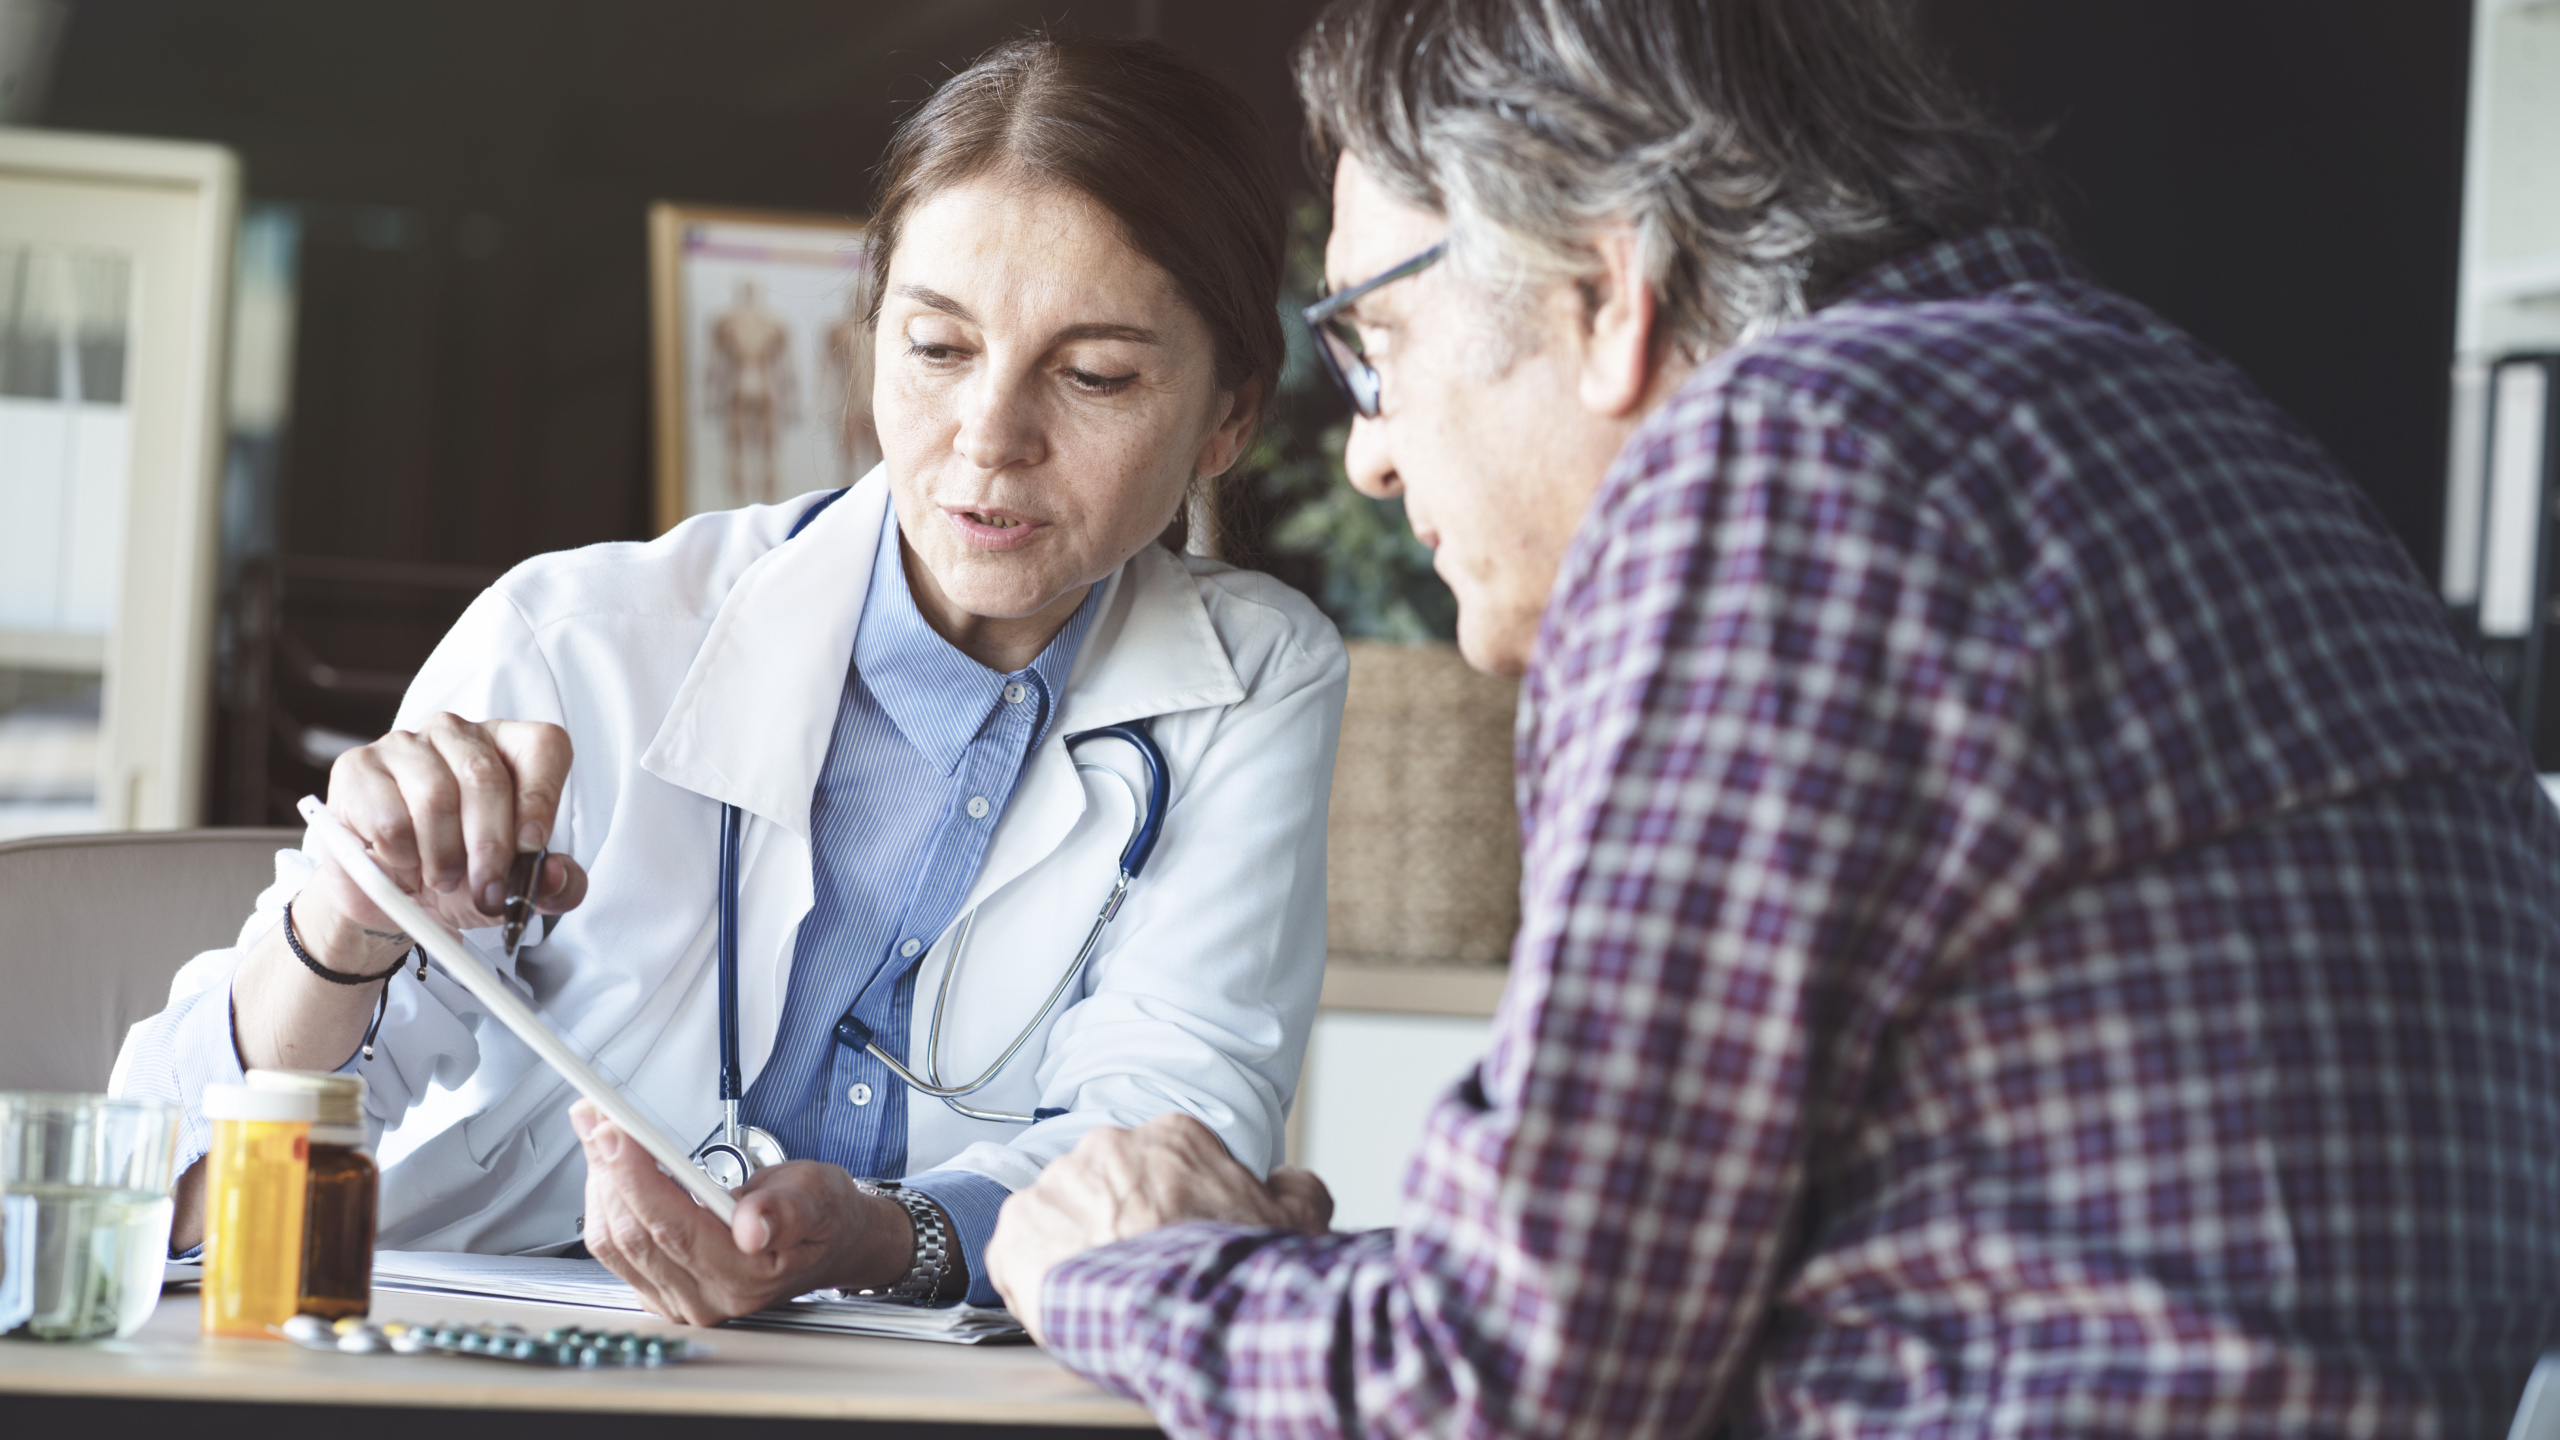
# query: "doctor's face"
{"type": "Point", "coordinates": [1044, 396]}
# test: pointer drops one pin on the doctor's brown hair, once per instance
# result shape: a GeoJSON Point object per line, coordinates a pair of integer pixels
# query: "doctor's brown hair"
{"type": "Point", "coordinates": [1172, 151]}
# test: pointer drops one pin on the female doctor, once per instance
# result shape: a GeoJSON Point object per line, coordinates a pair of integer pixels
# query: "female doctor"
{"type": "Point", "coordinates": [1076, 251]}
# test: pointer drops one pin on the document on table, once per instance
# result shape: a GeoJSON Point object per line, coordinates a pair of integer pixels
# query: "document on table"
{"type": "Point", "coordinates": [586, 1282]}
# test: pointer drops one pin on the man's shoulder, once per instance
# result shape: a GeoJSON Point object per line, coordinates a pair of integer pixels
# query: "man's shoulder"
{"type": "Point", "coordinates": [1939, 362]}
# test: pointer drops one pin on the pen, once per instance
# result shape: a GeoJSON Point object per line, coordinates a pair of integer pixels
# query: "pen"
{"type": "Point", "coordinates": [524, 879]}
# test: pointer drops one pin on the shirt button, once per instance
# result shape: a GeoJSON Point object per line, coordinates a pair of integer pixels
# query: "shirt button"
{"type": "Point", "coordinates": [910, 948]}
{"type": "Point", "coordinates": [1014, 692]}
{"type": "Point", "coordinates": [859, 1094]}
{"type": "Point", "coordinates": [977, 807]}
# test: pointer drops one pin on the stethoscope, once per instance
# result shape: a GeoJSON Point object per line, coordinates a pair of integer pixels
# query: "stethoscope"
{"type": "Point", "coordinates": [736, 1151]}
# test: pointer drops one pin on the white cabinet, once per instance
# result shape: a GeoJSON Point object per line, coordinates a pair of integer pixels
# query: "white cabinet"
{"type": "Point", "coordinates": [114, 267]}
{"type": "Point", "coordinates": [2510, 288]}
{"type": "Point", "coordinates": [1371, 1079]}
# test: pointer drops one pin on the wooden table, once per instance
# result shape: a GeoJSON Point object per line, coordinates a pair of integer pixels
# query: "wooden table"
{"type": "Point", "coordinates": [764, 1383]}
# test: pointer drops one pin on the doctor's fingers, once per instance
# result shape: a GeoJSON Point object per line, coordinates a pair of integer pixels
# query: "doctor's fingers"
{"type": "Point", "coordinates": [790, 1207]}
{"type": "Point", "coordinates": [538, 756]}
{"type": "Point", "coordinates": [642, 1226]}
{"type": "Point", "coordinates": [397, 795]}
{"type": "Point", "coordinates": [621, 1238]}
{"type": "Point", "coordinates": [562, 887]}
{"type": "Point", "coordinates": [486, 788]}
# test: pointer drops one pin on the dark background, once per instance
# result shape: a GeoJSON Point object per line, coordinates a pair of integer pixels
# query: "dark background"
{"type": "Point", "coordinates": [2281, 177]}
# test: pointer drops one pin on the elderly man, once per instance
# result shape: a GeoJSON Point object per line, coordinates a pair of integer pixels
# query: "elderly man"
{"type": "Point", "coordinates": [2031, 924]}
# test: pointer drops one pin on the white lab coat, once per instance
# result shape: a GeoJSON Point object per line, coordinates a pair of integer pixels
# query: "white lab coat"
{"type": "Point", "coordinates": [706, 666]}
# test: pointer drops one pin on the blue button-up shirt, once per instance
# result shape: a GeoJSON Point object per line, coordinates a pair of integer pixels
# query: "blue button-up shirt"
{"type": "Point", "coordinates": [927, 746]}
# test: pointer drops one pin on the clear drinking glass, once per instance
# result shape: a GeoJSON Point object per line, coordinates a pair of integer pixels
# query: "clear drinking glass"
{"type": "Point", "coordinates": [84, 1213]}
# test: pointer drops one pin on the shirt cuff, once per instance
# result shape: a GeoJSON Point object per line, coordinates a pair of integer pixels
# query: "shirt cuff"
{"type": "Point", "coordinates": [201, 1053]}
{"type": "Point", "coordinates": [971, 1200]}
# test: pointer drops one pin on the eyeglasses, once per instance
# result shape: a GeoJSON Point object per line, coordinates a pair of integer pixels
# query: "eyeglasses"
{"type": "Point", "coordinates": [1338, 344]}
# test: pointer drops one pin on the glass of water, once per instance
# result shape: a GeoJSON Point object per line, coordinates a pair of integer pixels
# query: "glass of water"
{"type": "Point", "coordinates": [84, 1213]}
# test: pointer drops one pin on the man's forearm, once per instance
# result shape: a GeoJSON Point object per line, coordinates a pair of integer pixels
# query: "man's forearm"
{"type": "Point", "coordinates": [1222, 1330]}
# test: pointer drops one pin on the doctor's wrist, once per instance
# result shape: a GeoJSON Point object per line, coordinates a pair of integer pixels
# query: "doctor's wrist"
{"type": "Point", "coordinates": [880, 1242]}
{"type": "Point", "coordinates": [339, 942]}
{"type": "Point", "coordinates": [885, 1247]}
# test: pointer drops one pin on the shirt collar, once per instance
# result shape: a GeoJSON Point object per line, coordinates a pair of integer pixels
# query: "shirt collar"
{"type": "Point", "coordinates": [754, 717]}
{"type": "Point", "coordinates": [940, 698]}
{"type": "Point", "coordinates": [1977, 264]}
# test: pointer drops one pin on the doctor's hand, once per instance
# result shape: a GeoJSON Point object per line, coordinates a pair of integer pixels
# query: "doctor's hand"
{"type": "Point", "coordinates": [801, 1226]}
{"type": "Point", "coordinates": [1119, 1183]}
{"type": "Point", "coordinates": [446, 809]}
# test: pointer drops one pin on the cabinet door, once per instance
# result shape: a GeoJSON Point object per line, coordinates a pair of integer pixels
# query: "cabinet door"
{"type": "Point", "coordinates": [113, 271]}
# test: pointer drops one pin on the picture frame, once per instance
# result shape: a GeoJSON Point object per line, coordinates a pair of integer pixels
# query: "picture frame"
{"type": "Point", "coordinates": [761, 359]}
{"type": "Point", "coordinates": [115, 271]}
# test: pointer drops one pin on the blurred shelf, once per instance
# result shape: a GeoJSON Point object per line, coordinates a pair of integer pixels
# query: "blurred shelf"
{"type": "Point", "coordinates": [2522, 281]}
{"type": "Point", "coordinates": [53, 650]}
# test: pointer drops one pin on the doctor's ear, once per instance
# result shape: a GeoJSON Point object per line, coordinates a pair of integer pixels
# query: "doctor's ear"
{"type": "Point", "coordinates": [1616, 334]}
{"type": "Point", "coordinates": [1226, 443]}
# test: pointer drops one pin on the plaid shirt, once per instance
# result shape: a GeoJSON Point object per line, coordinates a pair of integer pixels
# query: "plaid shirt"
{"type": "Point", "coordinates": [2031, 925]}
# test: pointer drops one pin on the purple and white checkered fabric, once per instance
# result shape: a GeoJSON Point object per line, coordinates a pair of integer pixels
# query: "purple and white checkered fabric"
{"type": "Point", "coordinates": [2031, 927]}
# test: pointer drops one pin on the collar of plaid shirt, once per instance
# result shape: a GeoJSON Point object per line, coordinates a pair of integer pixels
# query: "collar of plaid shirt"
{"type": "Point", "coordinates": [2031, 924]}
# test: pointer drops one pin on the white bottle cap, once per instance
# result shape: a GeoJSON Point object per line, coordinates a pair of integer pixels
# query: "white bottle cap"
{"type": "Point", "coordinates": [340, 1097]}
{"type": "Point", "coordinates": [239, 1102]}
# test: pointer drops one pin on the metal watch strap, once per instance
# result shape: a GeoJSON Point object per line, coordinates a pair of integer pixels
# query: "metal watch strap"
{"type": "Point", "coordinates": [922, 1284]}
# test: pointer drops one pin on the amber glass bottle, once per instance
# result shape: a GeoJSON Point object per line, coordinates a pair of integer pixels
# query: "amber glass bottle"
{"type": "Point", "coordinates": [338, 1209]}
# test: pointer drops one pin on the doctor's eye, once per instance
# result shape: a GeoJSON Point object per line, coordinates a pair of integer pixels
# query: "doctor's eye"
{"type": "Point", "coordinates": [1093, 384]}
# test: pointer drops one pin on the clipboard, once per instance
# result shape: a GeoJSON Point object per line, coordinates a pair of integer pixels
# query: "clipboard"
{"type": "Point", "coordinates": [473, 974]}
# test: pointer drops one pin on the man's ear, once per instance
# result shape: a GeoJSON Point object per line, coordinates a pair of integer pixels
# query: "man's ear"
{"type": "Point", "coordinates": [1617, 328]}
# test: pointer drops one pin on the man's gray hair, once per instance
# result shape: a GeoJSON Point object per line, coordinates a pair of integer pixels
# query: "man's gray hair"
{"type": "Point", "coordinates": [1763, 150]}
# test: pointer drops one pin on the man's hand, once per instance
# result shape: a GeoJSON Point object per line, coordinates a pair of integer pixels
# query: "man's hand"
{"type": "Point", "coordinates": [800, 1226]}
{"type": "Point", "coordinates": [1119, 1183]}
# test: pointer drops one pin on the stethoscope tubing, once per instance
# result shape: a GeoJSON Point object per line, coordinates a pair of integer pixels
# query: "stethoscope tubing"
{"type": "Point", "coordinates": [746, 1141]}
{"type": "Point", "coordinates": [1144, 831]}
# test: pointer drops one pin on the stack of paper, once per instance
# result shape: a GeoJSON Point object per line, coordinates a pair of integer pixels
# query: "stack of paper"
{"type": "Point", "coordinates": [586, 1282]}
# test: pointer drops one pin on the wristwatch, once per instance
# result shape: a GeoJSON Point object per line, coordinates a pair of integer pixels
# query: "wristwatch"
{"type": "Point", "coordinates": [922, 1284]}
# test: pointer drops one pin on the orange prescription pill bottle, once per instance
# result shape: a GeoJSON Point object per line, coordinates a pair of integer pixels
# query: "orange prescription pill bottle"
{"type": "Point", "coordinates": [260, 1168]}
{"type": "Point", "coordinates": [339, 1203]}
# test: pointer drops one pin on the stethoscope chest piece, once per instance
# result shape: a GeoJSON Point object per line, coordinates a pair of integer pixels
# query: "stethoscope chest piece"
{"type": "Point", "coordinates": [729, 1157]}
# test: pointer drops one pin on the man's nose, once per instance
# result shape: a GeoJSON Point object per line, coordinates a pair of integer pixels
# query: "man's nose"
{"type": "Point", "coordinates": [1372, 469]}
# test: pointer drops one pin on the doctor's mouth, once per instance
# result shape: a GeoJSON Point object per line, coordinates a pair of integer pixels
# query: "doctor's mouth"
{"type": "Point", "coordinates": [989, 528]}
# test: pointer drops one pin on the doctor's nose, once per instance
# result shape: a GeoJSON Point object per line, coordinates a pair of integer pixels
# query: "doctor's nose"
{"type": "Point", "coordinates": [1365, 459]}
{"type": "Point", "coordinates": [999, 428]}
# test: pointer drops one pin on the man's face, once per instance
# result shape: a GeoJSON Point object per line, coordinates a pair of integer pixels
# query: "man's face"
{"type": "Point", "coordinates": [1479, 427]}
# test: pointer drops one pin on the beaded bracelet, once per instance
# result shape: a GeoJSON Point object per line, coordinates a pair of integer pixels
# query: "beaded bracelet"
{"type": "Point", "coordinates": [382, 1003]}
{"type": "Point", "coordinates": [293, 942]}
